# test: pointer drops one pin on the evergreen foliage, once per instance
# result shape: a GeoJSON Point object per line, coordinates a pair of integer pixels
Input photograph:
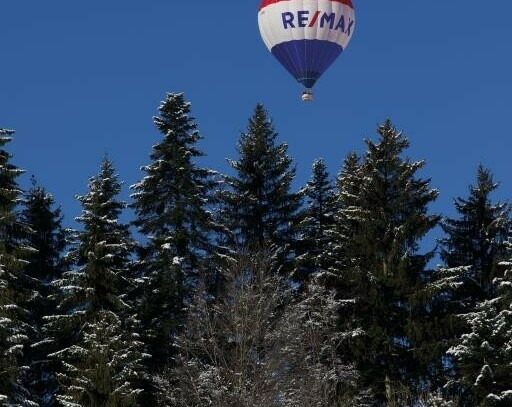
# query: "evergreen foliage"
{"type": "Point", "coordinates": [259, 208]}
{"type": "Point", "coordinates": [102, 361]}
{"type": "Point", "coordinates": [477, 238]}
{"type": "Point", "coordinates": [384, 214]}
{"type": "Point", "coordinates": [335, 256]}
{"type": "Point", "coordinates": [14, 326]}
{"type": "Point", "coordinates": [171, 204]}
{"type": "Point", "coordinates": [484, 355]}
{"type": "Point", "coordinates": [315, 221]}
{"type": "Point", "coordinates": [472, 249]}
{"type": "Point", "coordinates": [48, 239]}
{"type": "Point", "coordinates": [244, 293]}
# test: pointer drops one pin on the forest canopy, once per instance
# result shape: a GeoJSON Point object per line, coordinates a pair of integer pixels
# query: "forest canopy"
{"type": "Point", "coordinates": [237, 290]}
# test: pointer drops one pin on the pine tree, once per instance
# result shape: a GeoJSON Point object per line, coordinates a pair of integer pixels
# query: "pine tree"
{"type": "Point", "coordinates": [315, 221]}
{"type": "Point", "coordinates": [14, 327]}
{"type": "Point", "coordinates": [102, 361]}
{"type": "Point", "coordinates": [484, 355]}
{"type": "Point", "coordinates": [259, 209]}
{"type": "Point", "coordinates": [171, 204]}
{"type": "Point", "coordinates": [383, 218]}
{"type": "Point", "coordinates": [48, 237]}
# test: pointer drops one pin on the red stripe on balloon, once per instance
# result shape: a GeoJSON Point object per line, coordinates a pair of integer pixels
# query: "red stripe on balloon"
{"type": "Point", "coordinates": [315, 17]}
{"type": "Point", "coordinates": [266, 3]}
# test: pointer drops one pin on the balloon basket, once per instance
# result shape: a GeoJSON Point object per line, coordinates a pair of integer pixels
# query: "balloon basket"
{"type": "Point", "coordinates": [307, 95]}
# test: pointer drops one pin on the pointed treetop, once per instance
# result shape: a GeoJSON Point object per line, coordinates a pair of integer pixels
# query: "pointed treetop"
{"type": "Point", "coordinates": [391, 143]}
{"type": "Point", "coordinates": [260, 131]}
{"type": "Point", "coordinates": [484, 183]}
{"type": "Point", "coordinates": [351, 164]}
{"type": "Point", "coordinates": [319, 187]}
{"type": "Point", "coordinates": [319, 168]}
{"type": "Point", "coordinates": [174, 120]}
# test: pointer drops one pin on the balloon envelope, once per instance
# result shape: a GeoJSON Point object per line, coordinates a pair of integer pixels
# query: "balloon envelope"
{"type": "Point", "coordinates": [306, 36]}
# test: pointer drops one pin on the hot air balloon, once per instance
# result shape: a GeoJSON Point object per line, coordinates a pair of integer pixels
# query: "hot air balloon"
{"type": "Point", "coordinates": [306, 36]}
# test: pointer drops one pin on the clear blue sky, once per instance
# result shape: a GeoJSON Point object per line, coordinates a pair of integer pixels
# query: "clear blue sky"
{"type": "Point", "coordinates": [81, 79]}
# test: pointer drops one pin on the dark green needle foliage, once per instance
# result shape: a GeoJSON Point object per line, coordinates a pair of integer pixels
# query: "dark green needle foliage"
{"type": "Point", "coordinates": [241, 292]}
{"type": "Point", "coordinates": [259, 208]}
{"type": "Point", "coordinates": [49, 239]}
{"type": "Point", "coordinates": [171, 205]}
{"type": "Point", "coordinates": [382, 218]}
{"type": "Point", "coordinates": [316, 220]}
{"type": "Point", "coordinates": [484, 354]}
{"type": "Point", "coordinates": [102, 362]}
{"type": "Point", "coordinates": [476, 239]}
{"type": "Point", "coordinates": [335, 255]}
{"type": "Point", "coordinates": [474, 244]}
{"type": "Point", "coordinates": [14, 319]}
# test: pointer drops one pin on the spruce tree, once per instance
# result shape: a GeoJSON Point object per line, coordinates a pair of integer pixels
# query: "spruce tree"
{"type": "Point", "coordinates": [102, 362]}
{"type": "Point", "coordinates": [171, 204]}
{"type": "Point", "coordinates": [380, 268]}
{"type": "Point", "coordinates": [259, 208]}
{"type": "Point", "coordinates": [48, 237]}
{"type": "Point", "coordinates": [335, 254]}
{"type": "Point", "coordinates": [477, 238]}
{"type": "Point", "coordinates": [471, 251]}
{"type": "Point", "coordinates": [315, 221]}
{"type": "Point", "coordinates": [484, 355]}
{"type": "Point", "coordinates": [14, 326]}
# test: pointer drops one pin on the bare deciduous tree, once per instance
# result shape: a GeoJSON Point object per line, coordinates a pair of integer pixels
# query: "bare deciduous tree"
{"type": "Point", "coordinates": [261, 344]}
{"type": "Point", "coordinates": [224, 351]}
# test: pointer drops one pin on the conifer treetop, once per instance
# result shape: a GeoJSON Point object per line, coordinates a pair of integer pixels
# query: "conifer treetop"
{"type": "Point", "coordinates": [259, 203]}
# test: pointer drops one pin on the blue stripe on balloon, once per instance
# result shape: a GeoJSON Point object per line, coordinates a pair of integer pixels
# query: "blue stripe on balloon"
{"type": "Point", "coordinates": [307, 60]}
